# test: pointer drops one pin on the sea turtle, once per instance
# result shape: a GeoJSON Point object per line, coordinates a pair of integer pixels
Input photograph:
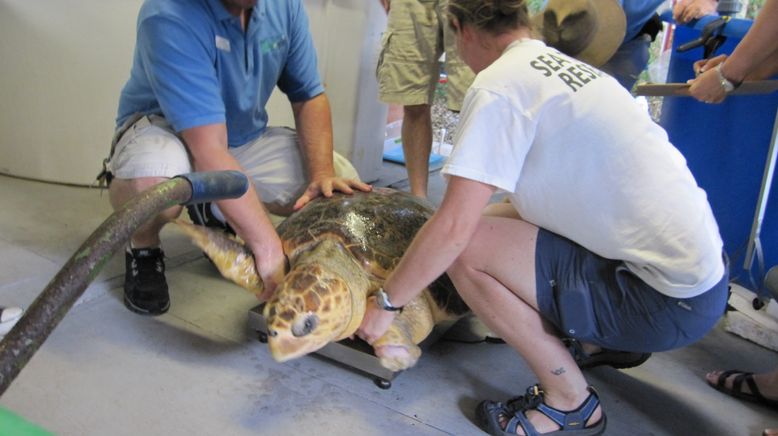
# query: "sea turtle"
{"type": "Point", "coordinates": [340, 250]}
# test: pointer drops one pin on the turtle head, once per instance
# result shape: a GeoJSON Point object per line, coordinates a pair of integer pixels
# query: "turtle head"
{"type": "Point", "coordinates": [322, 299]}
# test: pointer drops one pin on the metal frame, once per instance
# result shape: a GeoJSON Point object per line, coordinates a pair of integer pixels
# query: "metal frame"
{"type": "Point", "coordinates": [761, 204]}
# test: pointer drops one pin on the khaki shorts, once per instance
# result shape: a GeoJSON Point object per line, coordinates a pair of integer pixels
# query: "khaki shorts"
{"type": "Point", "coordinates": [150, 148]}
{"type": "Point", "coordinates": [417, 34]}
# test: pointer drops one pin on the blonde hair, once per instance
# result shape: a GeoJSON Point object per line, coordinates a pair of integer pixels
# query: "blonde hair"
{"type": "Point", "coordinates": [493, 16]}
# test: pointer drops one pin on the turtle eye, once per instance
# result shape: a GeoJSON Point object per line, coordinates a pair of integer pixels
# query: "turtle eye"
{"type": "Point", "coordinates": [305, 325]}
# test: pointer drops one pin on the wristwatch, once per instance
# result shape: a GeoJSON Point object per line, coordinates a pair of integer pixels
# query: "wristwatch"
{"type": "Point", "coordinates": [725, 83]}
{"type": "Point", "coordinates": [382, 299]}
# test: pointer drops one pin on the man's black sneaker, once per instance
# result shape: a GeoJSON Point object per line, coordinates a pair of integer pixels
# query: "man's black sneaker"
{"type": "Point", "coordinates": [202, 215]}
{"type": "Point", "coordinates": [145, 287]}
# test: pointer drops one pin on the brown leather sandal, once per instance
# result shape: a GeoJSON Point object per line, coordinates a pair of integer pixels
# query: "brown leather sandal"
{"type": "Point", "coordinates": [737, 387]}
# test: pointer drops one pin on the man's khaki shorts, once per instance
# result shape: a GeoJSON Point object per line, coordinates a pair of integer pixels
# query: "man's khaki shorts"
{"type": "Point", "coordinates": [150, 148]}
{"type": "Point", "coordinates": [416, 36]}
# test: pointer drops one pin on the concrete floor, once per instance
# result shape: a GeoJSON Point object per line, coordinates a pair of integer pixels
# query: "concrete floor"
{"type": "Point", "coordinates": [199, 370]}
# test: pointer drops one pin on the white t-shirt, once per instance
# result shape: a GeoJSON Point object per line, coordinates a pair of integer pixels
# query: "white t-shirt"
{"type": "Point", "coordinates": [582, 159]}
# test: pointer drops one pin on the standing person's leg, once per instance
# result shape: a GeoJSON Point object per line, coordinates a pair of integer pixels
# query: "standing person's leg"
{"type": "Point", "coordinates": [417, 118]}
{"type": "Point", "coordinates": [496, 277]}
{"type": "Point", "coordinates": [407, 73]}
{"type": "Point", "coordinates": [417, 145]}
{"type": "Point", "coordinates": [146, 154]}
{"type": "Point", "coordinates": [459, 75]}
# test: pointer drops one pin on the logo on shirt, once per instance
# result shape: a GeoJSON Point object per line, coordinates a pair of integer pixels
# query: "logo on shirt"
{"type": "Point", "coordinates": [222, 43]}
{"type": "Point", "coordinates": [272, 44]}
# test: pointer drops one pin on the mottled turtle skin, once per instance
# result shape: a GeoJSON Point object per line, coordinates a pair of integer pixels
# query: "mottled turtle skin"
{"type": "Point", "coordinates": [340, 251]}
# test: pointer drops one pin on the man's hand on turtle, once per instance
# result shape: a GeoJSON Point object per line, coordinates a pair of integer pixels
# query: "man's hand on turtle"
{"type": "Point", "coordinates": [326, 186]}
{"type": "Point", "coordinates": [271, 265]}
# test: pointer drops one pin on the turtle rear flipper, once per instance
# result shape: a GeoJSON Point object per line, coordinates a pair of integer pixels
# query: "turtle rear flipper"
{"type": "Point", "coordinates": [231, 257]}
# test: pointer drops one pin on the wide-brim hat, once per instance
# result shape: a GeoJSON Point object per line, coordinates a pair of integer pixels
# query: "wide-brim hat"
{"type": "Point", "coordinates": [588, 30]}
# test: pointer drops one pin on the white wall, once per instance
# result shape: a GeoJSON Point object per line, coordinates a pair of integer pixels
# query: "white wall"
{"type": "Point", "coordinates": [63, 63]}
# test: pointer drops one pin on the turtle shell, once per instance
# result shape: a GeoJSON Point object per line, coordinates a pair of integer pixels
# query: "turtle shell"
{"type": "Point", "coordinates": [375, 227]}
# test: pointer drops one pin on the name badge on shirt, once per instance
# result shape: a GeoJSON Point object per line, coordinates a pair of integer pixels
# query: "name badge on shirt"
{"type": "Point", "coordinates": [222, 43]}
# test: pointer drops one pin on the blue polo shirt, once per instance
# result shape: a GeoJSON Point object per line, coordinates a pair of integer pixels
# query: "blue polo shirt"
{"type": "Point", "coordinates": [194, 64]}
{"type": "Point", "coordinates": [638, 12]}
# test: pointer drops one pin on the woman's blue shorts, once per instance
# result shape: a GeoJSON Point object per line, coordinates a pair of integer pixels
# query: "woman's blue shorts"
{"type": "Point", "coordinates": [598, 300]}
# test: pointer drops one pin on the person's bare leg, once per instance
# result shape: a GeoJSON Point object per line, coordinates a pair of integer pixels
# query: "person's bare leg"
{"type": "Point", "coordinates": [417, 143]}
{"type": "Point", "coordinates": [496, 277]}
{"type": "Point", "coordinates": [122, 190]}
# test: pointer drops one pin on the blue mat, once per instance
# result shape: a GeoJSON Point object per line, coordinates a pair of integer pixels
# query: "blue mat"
{"type": "Point", "coordinates": [396, 155]}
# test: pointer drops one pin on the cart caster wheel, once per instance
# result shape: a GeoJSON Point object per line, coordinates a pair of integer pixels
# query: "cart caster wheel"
{"type": "Point", "coordinates": [262, 336]}
{"type": "Point", "coordinates": [382, 383]}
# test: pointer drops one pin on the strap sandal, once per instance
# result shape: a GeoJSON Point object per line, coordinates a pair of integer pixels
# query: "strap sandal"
{"type": "Point", "coordinates": [614, 358]}
{"type": "Point", "coordinates": [571, 422]}
{"type": "Point", "coordinates": [737, 387]}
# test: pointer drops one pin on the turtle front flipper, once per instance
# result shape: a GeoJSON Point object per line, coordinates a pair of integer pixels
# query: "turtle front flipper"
{"type": "Point", "coordinates": [230, 256]}
{"type": "Point", "coordinates": [398, 348]}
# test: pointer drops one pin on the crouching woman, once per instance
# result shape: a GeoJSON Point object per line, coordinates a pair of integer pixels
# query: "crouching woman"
{"type": "Point", "coordinates": [607, 238]}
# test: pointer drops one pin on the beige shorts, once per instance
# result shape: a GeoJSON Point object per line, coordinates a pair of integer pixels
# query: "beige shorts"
{"type": "Point", "coordinates": [150, 148]}
{"type": "Point", "coordinates": [417, 34]}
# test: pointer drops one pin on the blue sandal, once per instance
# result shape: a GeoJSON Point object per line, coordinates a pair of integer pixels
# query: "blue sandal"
{"type": "Point", "coordinates": [570, 422]}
